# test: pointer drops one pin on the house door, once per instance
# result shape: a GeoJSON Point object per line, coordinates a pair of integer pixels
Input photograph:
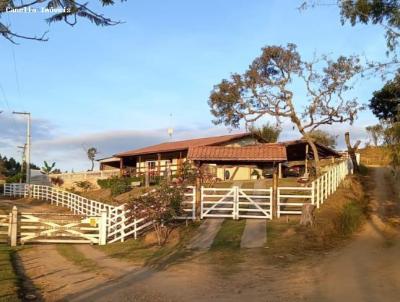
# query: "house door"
{"type": "Point", "coordinates": [151, 168]}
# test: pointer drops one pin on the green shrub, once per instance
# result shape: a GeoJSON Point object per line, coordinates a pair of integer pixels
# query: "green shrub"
{"type": "Point", "coordinates": [350, 218]}
{"type": "Point", "coordinates": [84, 185]}
{"type": "Point", "coordinates": [118, 185]}
{"type": "Point", "coordinates": [15, 178]}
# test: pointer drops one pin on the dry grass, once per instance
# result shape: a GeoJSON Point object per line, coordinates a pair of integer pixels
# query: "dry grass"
{"type": "Point", "coordinates": [70, 253]}
{"type": "Point", "coordinates": [338, 218]}
{"type": "Point", "coordinates": [104, 195]}
{"type": "Point", "coordinates": [377, 156]}
{"type": "Point", "coordinates": [145, 251]}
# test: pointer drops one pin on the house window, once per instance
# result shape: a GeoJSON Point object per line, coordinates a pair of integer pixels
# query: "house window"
{"type": "Point", "coordinates": [151, 165]}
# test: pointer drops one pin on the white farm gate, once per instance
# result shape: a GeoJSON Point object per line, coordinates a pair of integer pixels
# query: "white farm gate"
{"type": "Point", "coordinates": [236, 203]}
{"type": "Point", "coordinates": [60, 228]}
{"type": "Point", "coordinates": [120, 224]}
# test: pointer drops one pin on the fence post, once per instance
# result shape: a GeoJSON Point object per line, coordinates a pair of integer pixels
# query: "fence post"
{"type": "Point", "coordinates": [103, 228]}
{"type": "Point", "coordinates": [14, 226]}
{"type": "Point", "coordinates": [313, 193]}
{"type": "Point", "coordinates": [135, 226]}
{"type": "Point", "coordinates": [235, 213]}
{"type": "Point", "coordinates": [123, 217]}
{"type": "Point", "coordinates": [278, 202]}
{"type": "Point", "coordinates": [194, 198]}
{"type": "Point", "coordinates": [274, 195]}
{"type": "Point", "coordinates": [10, 216]}
{"type": "Point", "coordinates": [201, 197]}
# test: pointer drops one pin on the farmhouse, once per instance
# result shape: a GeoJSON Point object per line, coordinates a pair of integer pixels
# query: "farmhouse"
{"type": "Point", "coordinates": [234, 157]}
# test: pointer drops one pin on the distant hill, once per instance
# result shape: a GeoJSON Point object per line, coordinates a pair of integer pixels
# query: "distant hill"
{"type": "Point", "coordinates": [374, 156]}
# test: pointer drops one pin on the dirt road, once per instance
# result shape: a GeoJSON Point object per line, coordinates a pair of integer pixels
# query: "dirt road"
{"type": "Point", "coordinates": [368, 269]}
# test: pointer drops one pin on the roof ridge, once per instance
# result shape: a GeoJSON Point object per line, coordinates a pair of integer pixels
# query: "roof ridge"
{"type": "Point", "coordinates": [207, 141]}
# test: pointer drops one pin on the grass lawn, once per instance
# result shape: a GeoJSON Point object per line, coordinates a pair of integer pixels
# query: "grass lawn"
{"type": "Point", "coordinates": [225, 253]}
{"type": "Point", "coordinates": [69, 252]}
{"type": "Point", "coordinates": [229, 236]}
{"type": "Point", "coordinates": [8, 279]}
{"type": "Point", "coordinates": [146, 252]}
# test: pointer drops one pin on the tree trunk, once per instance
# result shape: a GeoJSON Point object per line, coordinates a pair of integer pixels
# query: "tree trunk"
{"type": "Point", "coordinates": [307, 214]}
{"type": "Point", "coordinates": [315, 153]}
{"type": "Point", "coordinates": [352, 151]}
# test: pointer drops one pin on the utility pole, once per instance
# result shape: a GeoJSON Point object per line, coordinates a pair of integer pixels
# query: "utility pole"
{"type": "Point", "coordinates": [23, 162]}
{"type": "Point", "coordinates": [28, 145]}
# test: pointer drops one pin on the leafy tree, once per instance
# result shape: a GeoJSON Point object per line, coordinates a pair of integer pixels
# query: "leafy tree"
{"type": "Point", "coordinates": [323, 138]}
{"type": "Point", "coordinates": [383, 12]}
{"type": "Point", "coordinates": [2, 168]}
{"type": "Point", "coordinates": [161, 206]}
{"type": "Point", "coordinates": [392, 137]}
{"type": "Point", "coordinates": [266, 89]}
{"type": "Point", "coordinates": [267, 132]}
{"type": "Point", "coordinates": [10, 166]}
{"type": "Point", "coordinates": [91, 154]}
{"type": "Point", "coordinates": [67, 11]}
{"type": "Point", "coordinates": [48, 169]}
{"type": "Point", "coordinates": [376, 132]}
{"type": "Point", "coordinates": [385, 103]}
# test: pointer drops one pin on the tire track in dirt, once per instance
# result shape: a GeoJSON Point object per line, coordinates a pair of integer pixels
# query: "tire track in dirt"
{"type": "Point", "coordinates": [53, 275]}
{"type": "Point", "coordinates": [367, 269]}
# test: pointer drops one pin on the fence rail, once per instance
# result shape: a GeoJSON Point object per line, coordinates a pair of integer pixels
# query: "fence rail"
{"type": "Point", "coordinates": [120, 224]}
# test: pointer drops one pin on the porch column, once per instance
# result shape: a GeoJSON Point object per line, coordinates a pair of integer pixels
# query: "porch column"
{"type": "Point", "coordinates": [159, 163]}
{"type": "Point", "coordinates": [179, 170]}
{"type": "Point", "coordinates": [140, 164]}
{"type": "Point", "coordinates": [121, 166]}
{"type": "Point", "coordinates": [280, 170]}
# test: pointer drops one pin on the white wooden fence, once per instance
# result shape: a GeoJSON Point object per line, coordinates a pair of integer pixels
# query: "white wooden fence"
{"type": "Point", "coordinates": [120, 224]}
{"type": "Point", "coordinates": [291, 199]}
{"type": "Point", "coordinates": [236, 203]}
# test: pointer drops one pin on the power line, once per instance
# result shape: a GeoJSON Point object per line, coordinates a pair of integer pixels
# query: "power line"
{"type": "Point", "coordinates": [16, 76]}
{"type": "Point", "coordinates": [4, 97]}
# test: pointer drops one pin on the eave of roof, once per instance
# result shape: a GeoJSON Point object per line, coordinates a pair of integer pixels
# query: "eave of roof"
{"type": "Point", "coordinates": [256, 153]}
{"type": "Point", "coordinates": [108, 159]}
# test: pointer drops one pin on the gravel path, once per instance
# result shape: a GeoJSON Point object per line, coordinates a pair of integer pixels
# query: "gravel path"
{"type": "Point", "coordinates": [255, 231]}
{"type": "Point", "coordinates": [206, 234]}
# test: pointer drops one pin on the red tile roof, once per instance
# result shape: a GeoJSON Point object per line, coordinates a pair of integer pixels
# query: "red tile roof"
{"type": "Point", "coordinates": [183, 145]}
{"type": "Point", "coordinates": [259, 153]}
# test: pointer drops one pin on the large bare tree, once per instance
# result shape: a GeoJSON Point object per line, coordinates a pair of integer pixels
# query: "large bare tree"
{"type": "Point", "coordinates": [266, 88]}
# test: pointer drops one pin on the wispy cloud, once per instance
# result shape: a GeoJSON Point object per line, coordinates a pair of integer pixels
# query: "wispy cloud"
{"type": "Point", "coordinates": [69, 151]}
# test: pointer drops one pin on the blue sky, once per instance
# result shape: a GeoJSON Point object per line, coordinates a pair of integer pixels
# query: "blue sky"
{"type": "Point", "coordinates": [116, 87]}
